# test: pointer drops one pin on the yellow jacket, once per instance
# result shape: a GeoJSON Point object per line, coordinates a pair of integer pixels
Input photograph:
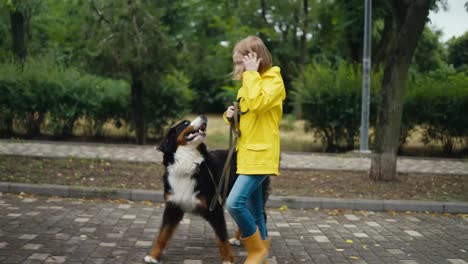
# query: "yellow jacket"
{"type": "Point", "coordinates": [258, 147]}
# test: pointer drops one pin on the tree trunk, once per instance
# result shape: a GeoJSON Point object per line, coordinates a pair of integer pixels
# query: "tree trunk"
{"type": "Point", "coordinates": [410, 21]}
{"type": "Point", "coordinates": [305, 20]}
{"type": "Point", "coordinates": [263, 8]}
{"type": "Point", "coordinates": [138, 109]}
{"type": "Point", "coordinates": [18, 35]}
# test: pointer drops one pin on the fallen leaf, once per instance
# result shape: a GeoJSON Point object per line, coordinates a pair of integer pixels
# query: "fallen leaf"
{"type": "Point", "coordinates": [354, 257]}
{"type": "Point", "coordinates": [349, 241]}
{"type": "Point", "coordinates": [283, 208]}
{"type": "Point", "coordinates": [339, 249]}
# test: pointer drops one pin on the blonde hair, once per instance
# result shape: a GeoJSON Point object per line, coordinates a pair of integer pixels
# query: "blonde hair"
{"type": "Point", "coordinates": [252, 44]}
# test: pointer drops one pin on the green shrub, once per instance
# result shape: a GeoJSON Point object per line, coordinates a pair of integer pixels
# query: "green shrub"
{"type": "Point", "coordinates": [42, 89]}
{"type": "Point", "coordinates": [330, 101]}
{"type": "Point", "coordinates": [438, 102]}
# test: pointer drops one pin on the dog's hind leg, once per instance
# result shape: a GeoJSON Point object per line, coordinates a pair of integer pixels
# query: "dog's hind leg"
{"type": "Point", "coordinates": [236, 240]}
{"type": "Point", "coordinates": [218, 222]}
{"type": "Point", "coordinates": [171, 218]}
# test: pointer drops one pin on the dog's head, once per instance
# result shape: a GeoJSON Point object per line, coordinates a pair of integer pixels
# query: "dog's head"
{"type": "Point", "coordinates": [185, 133]}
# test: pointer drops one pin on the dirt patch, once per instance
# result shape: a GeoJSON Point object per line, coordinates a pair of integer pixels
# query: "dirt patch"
{"type": "Point", "coordinates": [313, 183]}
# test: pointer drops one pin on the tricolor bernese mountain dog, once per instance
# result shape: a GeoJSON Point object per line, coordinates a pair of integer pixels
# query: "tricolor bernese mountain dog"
{"type": "Point", "coordinates": [188, 186]}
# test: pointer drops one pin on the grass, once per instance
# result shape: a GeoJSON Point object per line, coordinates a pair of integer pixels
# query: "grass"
{"type": "Point", "coordinates": [292, 134]}
{"type": "Point", "coordinates": [313, 183]}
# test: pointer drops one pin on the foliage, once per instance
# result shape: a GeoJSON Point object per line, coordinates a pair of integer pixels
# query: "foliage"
{"type": "Point", "coordinates": [166, 99]}
{"type": "Point", "coordinates": [64, 96]}
{"type": "Point", "coordinates": [458, 52]}
{"type": "Point", "coordinates": [435, 102]}
{"type": "Point", "coordinates": [430, 53]}
{"type": "Point", "coordinates": [329, 97]}
{"type": "Point", "coordinates": [181, 52]}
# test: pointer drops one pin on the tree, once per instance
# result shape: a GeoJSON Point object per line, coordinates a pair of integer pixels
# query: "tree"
{"type": "Point", "coordinates": [458, 52]}
{"type": "Point", "coordinates": [430, 53]}
{"type": "Point", "coordinates": [21, 13]}
{"type": "Point", "coordinates": [407, 23]}
{"type": "Point", "coordinates": [132, 43]}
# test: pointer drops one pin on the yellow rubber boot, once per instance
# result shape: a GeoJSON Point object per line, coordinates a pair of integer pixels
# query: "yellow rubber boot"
{"type": "Point", "coordinates": [256, 250]}
{"type": "Point", "coordinates": [267, 243]}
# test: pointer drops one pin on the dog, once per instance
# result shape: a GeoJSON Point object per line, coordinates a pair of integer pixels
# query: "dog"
{"type": "Point", "coordinates": [189, 186]}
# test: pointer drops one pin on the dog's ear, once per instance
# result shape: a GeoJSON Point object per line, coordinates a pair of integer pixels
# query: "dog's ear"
{"type": "Point", "coordinates": [168, 145]}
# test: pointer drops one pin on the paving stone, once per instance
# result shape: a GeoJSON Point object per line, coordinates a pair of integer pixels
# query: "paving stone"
{"type": "Point", "coordinates": [457, 261]}
{"type": "Point", "coordinates": [352, 217]}
{"type": "Point", "coordinates": [361, 235]}
{"type": "Point", "coordinates": [144, 243]}
{"type": "Point", "coordinates": [396, 251]}
{"type": "Point", "coordinates": [302, 236]}
{"type": "Point", "coordinates": [32, 213]}
{"type": "Point", "coordinates": [39, 256]}
{"type": "Point", "coordinates": [192, 261]}
{"type": "Point", "coordinates": [87, 229]}
{"type": "Point", "coordinates": [81, 220]}
{"type": "Point", "coordinates": [321, 239]}
{"type": "Point", "coordinates": [56, 259]}
{"type": "Point", "coordinates": [129, 217]}
{"type": "Point", "coordinates": [29, 200]}
{"type": "Point", "coordinates": [32, 246]}
{"type": "Point", "coordinates": [413, 233]}
{"type": "Point", "coordinates": [27, 236]}
{"type": "Point", "coordinates": [103, 244]}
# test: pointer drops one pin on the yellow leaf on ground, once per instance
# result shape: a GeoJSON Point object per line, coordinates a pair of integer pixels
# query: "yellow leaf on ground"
{"type": "Point", "coordinates": [339, 249]}
{"type": "Point", "coordinates": [354, 257]}
{"type": "Point", "coordinates": [283, 208]}
{"type": "Point", "coordinates": [349, 241]}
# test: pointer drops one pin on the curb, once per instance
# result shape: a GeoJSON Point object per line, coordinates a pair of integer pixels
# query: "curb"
{"type": "Point", "coordinates": [295, 202]}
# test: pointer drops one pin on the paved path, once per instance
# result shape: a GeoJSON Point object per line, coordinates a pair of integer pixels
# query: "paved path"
{"type": "Point", "coordinates": [54, 230]}
{"type": "Point", "coordinates": [288, 160]}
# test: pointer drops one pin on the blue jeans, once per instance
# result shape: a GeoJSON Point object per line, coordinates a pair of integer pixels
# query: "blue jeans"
{"type": "Point", "coordinates": [245, 204]}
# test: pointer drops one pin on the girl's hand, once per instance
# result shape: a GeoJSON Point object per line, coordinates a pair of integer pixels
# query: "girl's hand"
{"type": "Point", "coordinates": [251, 62]}
{"type": "Point", "coordinates": [230, 112]}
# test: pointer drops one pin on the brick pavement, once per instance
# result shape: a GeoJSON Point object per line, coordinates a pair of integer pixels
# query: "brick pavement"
{"type": "Point", "coordinates": [288, 160]}
{"type": "Point", "coordinates": [36, 229]}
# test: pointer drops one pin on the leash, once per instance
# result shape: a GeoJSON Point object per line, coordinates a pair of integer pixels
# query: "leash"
{"type": "Point", "coordinates": [222, 187]}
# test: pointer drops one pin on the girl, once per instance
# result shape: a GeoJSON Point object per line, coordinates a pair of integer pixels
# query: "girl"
{"type": "Point", "coordinates": [261, 99]}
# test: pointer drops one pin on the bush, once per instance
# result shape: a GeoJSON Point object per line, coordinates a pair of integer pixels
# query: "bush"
{"type": "Point", "coordinates": [437, 102]}
{"type": "Point", "coordinates": [330, 101]}
{"type": "Point", "coordinates": [27, 95]}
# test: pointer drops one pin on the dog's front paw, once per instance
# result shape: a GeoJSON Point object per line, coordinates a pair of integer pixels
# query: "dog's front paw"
{"type": "Point", "coordinates": [150, 259]}
{"type": "Point", "coordinates": [227, 262]}
{"type": "Point", "coordinates": [234, 242]}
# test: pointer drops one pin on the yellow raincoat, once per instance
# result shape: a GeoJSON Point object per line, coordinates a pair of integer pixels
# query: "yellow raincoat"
{"type": "Point", "coordinates": [258, 147]}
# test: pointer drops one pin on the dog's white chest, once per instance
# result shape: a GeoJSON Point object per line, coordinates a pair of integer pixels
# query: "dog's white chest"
{"type": "Point", "coordinates": [180, 178]}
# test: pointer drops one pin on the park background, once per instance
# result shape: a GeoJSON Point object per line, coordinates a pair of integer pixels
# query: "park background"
{"type": "Point", "coordinates": [125, 71]}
